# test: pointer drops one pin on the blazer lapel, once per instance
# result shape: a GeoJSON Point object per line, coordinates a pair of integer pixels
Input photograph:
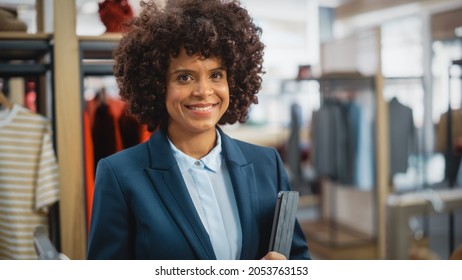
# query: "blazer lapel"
{"type": "Point", "coordinates": [245, 190]}
{"type": "Point", "coordinates": [166, 177]}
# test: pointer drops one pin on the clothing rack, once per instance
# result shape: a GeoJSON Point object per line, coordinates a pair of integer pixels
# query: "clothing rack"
{"type": "Point", "coordinates": [339, 88]}
{"type": "Point", "coordinates": [31, 56]}
{"type": "Point", "coordinates": [343, 86]}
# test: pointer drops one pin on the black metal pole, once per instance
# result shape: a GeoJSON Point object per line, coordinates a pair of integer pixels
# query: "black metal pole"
{"type": "Point", "coordinates": [451, 160]}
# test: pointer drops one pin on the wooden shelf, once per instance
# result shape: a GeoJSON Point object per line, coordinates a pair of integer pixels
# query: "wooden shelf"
{"type": "Point", "coordinates": [108, 37]}
{"type": "Point", "coordinates": [24, 36]}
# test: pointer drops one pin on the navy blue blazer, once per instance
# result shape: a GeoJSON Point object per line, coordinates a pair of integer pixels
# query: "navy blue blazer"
{"type": "Point", "coordinates": [142, 209]}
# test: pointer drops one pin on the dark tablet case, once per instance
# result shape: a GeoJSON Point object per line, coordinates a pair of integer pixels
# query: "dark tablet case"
{"type": "Point", "coordinates": [284, 222]}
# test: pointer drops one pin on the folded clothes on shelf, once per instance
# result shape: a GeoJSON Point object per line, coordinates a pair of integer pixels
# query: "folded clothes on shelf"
{"type": "Point", "coordinates": [9, 20]}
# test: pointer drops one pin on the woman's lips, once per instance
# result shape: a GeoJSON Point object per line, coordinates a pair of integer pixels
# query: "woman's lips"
{"type": "Point", "coordinates": [197, 108]}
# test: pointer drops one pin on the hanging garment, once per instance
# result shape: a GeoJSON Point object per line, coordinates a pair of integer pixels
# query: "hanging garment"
{"type": "Point", "coordinates": [29, 181]}
{"type": "Point", "coordinates": [323, 142]}
{"type": "Point", "coordinates": [130, 131]}
{"type": "Point", "coordinates": [329, 141]}
{"type": "Point", "coordinates": [451, 137]}
{"type": "Point", "coordinates": [441, 129]}
{"type": "Point", "coordinates": [365, 159]}
{"type": "Point", "coordinates": [402, 136]}
{"type": "Point", "coordinates": [354, 121]}
{"type": "Point", "coordinates": [30, 98]}
{"type": "Point", "coordinates": [293, 148]}
{"type": "Point", "coordinates": [104, 134]}
{"type": "Point", "coordinates": [108, 129]}
{"type": "Point", "coordinates": [89, 167]}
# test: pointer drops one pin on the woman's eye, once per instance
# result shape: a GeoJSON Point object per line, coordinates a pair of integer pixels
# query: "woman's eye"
{"type": "Point", "coordinates": [217, 75]}
{"type": "Point", "coordinates": [183, 78]}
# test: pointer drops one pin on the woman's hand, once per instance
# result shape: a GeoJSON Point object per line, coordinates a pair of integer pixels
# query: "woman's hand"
{"type": "Point", "coordinates": [274, 256]}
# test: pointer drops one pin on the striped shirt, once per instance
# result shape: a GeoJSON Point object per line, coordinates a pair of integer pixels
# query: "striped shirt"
{"type": "Point", "coordinates": [28, 180]}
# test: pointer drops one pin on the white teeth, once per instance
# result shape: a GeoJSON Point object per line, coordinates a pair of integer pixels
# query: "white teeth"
{"type": "Point", "coordinates": [202, 109]}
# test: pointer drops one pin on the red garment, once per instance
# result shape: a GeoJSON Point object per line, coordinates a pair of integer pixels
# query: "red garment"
{"type": "Point", "coordinates": [145, 134]}
{"type": "Point", "coordinates": [30, 98]}
{"type": "Point", "coordinates": [103, 136]}
{"type": "Point", "coordinates": [89, 166]}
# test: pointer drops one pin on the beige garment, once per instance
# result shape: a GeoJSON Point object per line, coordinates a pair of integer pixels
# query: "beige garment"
{"type": "Point", "coordinates": [441, 130]}
{"type": "Point", "coordinates": [29, 181]}
{"type": "Point", "coordinates": [9, 22]}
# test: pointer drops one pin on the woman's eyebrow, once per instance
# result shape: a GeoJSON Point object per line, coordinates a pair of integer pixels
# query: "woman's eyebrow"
{"type": "Point", "coordinates": [181, 71]}
{"type": "Point", "coordinates": [186, 70]}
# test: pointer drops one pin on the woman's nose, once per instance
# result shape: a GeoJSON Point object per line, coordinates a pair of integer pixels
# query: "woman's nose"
{"type": "Point", "coordinates": [203, 88]}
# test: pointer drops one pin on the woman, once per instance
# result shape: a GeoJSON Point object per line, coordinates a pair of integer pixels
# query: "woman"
{"type": "Point", "coordinates": [190, 192]}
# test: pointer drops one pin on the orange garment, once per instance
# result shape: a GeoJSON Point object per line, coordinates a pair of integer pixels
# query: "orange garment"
{"type": "Point", "coordinates": [116, 109]}
{"type": "Point", "coordinates": [145, 134]}
{"type": "Point", "coordinates": [89, 167]}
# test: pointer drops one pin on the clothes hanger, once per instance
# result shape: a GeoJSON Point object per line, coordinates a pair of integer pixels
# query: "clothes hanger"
{"type": "Point", "coordinates": [4, 101]}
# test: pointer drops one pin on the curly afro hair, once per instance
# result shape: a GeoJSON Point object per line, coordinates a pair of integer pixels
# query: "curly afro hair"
{"type": "Point", "coordinates": [206, 27]}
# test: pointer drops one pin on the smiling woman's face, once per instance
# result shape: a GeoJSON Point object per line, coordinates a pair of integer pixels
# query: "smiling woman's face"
{"type": "Point", "coordinates": [197, 93]}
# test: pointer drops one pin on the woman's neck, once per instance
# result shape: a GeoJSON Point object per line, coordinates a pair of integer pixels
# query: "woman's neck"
{"type": "Point", "coordinates": [194, 145]}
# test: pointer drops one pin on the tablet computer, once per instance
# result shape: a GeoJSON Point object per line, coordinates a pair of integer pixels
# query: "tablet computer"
{"type": "Point", "coordinates": [284, 222]}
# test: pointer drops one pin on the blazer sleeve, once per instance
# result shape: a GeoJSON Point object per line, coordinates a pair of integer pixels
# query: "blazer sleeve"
{"type": "Point", "coordinates": [110, 230]}
{"type": "Point", "coordinates": [299, 250]}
